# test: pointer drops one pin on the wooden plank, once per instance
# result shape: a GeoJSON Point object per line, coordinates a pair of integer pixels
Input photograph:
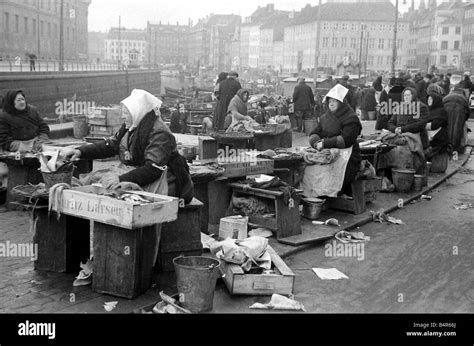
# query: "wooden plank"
{"type": "Point", "coordinates": [279, 263]}
{"type": "Point", "coordinates": [288, 218]}
{"type": "Point", "coordinates": [309, 234]}
{"type": "Point", "coordinates": [267, 222]}
{"type": "Point", "coordinates": [207, 148]}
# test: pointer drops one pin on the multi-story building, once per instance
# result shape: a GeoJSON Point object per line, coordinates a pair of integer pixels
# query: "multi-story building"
{"type": "Point", "coordinates": [250, 40]}
{"type": "Point", "coordinates": [124, 45]}
{"type": "Point", "coordinates": [358, 33]}
{"type": "Point", "coordinates": [167, 43]}
{"type": "Point", "coordinates": [96, 46]}
{"type": "Point", "coordinates": [33, 26]}
{"type": "Point", "coordinates": [467, 54]}
{"type": "Point", "coordinates": [436, 35]}
{"type": "Point", "coordinates": [271, 41]}
{"type": "Point", "coordinates": [210, 41]}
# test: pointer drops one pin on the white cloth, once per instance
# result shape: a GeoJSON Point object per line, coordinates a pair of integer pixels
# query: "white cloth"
{"type": "Point", "coordinates": [139, 103]}
{"type": "Point", "coordinates": [338, 92]}
{"type": "Point", "coordinates": [326, 180]}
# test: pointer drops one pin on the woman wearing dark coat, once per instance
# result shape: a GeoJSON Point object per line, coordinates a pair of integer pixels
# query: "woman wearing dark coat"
{"type": "Point", "coordinates": [339, 128]}
{"type": "Point", "coordinates": [20, 122]}
{"type": "Point", "coordinates": [145, 144]}
{"type": "Point", "coordinates": [437, 120]}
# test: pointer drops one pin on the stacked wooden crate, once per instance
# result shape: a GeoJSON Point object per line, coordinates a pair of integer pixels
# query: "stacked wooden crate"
{"type": "Point", "coordinates": [105, 121]}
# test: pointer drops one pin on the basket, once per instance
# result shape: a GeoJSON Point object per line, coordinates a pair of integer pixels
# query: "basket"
{"type": "Point", "coordinates": [53, 178]}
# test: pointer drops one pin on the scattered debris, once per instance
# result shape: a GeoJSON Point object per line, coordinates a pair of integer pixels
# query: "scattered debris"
{"type": "Point", "coordinates": [425, 197]}
{"type": "Point", "coordinates": [463, 206]}
{"type": "Point", "coordinates": [207, 240]}
{"type": "Point", "coordinates": [85, 275]}
{"type": "Point", "coordinates": [329, 274]}
{"type": "Point", "coordinates": [261, 232]}
{"type": "Point", "coordinates": [168, 305]}
{"type": "Point", "coordinates": [279, 302]}
{"type": "Point", "coordinates": [331, 222]}
{"type": "Point", "coordinates": [351, 237]}
{"type": "Point", "coordinates": [109, 306]}
{"type": "Point", "coordinates": [380, 216]}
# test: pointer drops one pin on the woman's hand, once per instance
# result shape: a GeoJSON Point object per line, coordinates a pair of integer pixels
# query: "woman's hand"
{"type": "Point", "coordinates": [70, 154]}
{"type": "Point", "coordinates": [319, 146]}
{"type": "Point", "coordinates": [428, 126]}
{"type": "Point", "coordinates": [398, 131]}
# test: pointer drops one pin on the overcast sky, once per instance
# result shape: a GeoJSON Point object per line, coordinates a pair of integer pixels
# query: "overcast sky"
{"type": "Point", "coordinates": [104, 14]}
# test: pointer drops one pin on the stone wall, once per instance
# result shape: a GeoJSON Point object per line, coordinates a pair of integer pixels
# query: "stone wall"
{"type": "Point", "coordinates": [50, 92]}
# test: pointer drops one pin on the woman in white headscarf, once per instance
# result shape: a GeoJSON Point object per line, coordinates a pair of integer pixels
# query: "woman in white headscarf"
{"type": "Point", "coordinates": [146, 148]}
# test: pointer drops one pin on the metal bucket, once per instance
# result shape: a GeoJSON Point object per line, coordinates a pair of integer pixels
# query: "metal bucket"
{"type": "Point", "coordinates": [418, 182]}
{"type": "Point", "coordinates": [53, 178]}
{"type": "Point", "coordinates": [196, 278]}
{"type": "Point", "coordinates": [81, 128]}
{"type": "Point", "coordinates": [312, 207]}
{"type": "Point", "coordinates": [403, 179]}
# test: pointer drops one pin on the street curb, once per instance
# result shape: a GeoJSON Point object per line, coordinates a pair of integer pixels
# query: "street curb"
{"type": "Point", "coordinates": [386, 211]}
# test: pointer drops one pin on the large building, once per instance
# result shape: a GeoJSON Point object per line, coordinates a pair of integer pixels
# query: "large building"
{"type": "Point", "coordinates": [126, 45]}
{"type": "Point", "coordinates": [167, 43]}
{"type": "Point", "coordinates": [467, 54]}
{"type": "Point", "coordinates": [96, 46]}
{"type": "Point", "coordinates": [33, 26]}
{"type": "Point", "coordinates": [211, 39]}
{"type": "Point", "coordinates": [436, 35]}
{"type": "Point", "coordinates": [271, 41]}
{"type": "Point", "coordinates": [352, 34]}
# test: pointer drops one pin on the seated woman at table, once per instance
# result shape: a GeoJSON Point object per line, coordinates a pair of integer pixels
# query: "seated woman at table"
{"type": "Point", "coordinates": [146, 149]}
{"type": "Point", "coordinates": [410, 116]}
{"type": "Point", "coordinates": [21, 127]}
{"type": "Point", "coordinates": [237, 111]}
{"type": "Point", "coordinates": [339, 127]}
{"type": "Point", "coordinates": [436, 123]}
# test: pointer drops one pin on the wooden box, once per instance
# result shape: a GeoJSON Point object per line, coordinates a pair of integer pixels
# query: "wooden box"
{"type": "Point", "coordinates": [235, 168]}
{"type": "Point", "coordinates": [123, 260]}
{"type": "Point", "coordinates": [99, 121]}
{"type": "Point", "coordinates": [181, 237]}
{"type": "Point", "coordinates": [97, 130]}
{"type": "Point", "coordinates": [85, 201]}
{"type": "Point", "coordinates": [238, 282]}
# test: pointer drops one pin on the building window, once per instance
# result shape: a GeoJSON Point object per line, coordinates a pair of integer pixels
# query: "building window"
{"type": "Point", "coordinates": [343, 42]}
{"type": "Point", "coordinates": [370, 60]}
{"type": "Point", "coordinates": [336, 26]}
{"type": "Point", "coordinates": [456, 44]}
{"type": "Point", "coordinates": [354, 27]}
{"type": "Point", "coordinates": [444, 44]}
{"type": "Point", "coordinates": [344, 26]}
{"type": "Point", "coordinates": [381, 40]}
{"type": "Point", "coordinates": [389, 59]}
{"type": "Point", "coordinates": [334, 42]}
{"type": "Point", "coordinates": [7, 22]}
{"type": "Point", "coordinates": [382, 27]}
{"type": "Point", "coordinates": [17, 23]}
{"type": "Point", "coordinates": [400, 44]}
{"type": "Point", "coordinates": [353, 43]}
{"type": "Point", "coordinates": [326, 26]}
{"type": "Point", "coordinates": [458, 30]}
{"type": "Point", "coordinates": [442, 59]}
{"type": "Point", "coordinates": [49, 29]}
{"type": "Point", "coordinates": [325, 42]}
{"type": "Point", "coordinates": [379, 60]}
{"type": "Point", "coordinates": [26, 25]}
{"type": "Point", "coordinates": [445, 30]}
{"type": "Point", "coordinates": [34, 27]}
{"type": "Point", "coordinates": [372, 43]}
{"type": "Point", "coordinates": [41, 28]}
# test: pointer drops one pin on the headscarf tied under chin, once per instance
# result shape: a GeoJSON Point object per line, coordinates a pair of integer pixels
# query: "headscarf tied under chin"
{"type": "Point", "coordinates": [140, 103]}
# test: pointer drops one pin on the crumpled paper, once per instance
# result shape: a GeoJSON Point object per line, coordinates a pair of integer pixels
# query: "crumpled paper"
{"type": "Point", "coordinates": [463, 206]}
{"type": "Point", "coordinates": [168, 305]}
{"type": "Point", "coordinates": [329, 274]}
{"type": "Point", "coordinates": [109, 306]}
{"type": "Point", "coordinates": [85, 275]}
{"type": "Point", "coordinates": [279, 302]}
{"type": "Point", "coordinates": [261, 232]}
{"type": "Point", "coordinates": [244, 252]}
{"type": "Point", "coordinates": [351, 237]}
{"type": "Point", "coordinates": [380, 216]}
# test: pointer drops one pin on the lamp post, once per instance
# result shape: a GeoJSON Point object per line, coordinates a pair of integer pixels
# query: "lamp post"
{"type": "Point", "coordinates": [61, 36]}
{"type": "Point", "coordinates": [394, 47]}
{"type": "Point", "coordinates": [362, 28]}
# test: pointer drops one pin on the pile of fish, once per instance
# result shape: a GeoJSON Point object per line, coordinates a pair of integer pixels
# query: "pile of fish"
{"type": "Point", "coordinates": [126, 196]}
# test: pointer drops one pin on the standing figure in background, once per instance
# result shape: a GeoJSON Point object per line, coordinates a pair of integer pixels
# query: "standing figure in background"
{"type": "Point", "coordinates": [456, 105]}
{"type": "Point", "coordinates": [32, 62]}
{"type": "Point", "coordinates": [303, 99]}
{"type": "Point", "coordinates": [226, 91]}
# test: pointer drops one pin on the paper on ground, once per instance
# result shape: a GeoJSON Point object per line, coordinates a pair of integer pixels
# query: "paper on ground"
{"type": "Point", "coordinates": [329, 274]}
{"type": "Point", "coordinates": [264, 178]}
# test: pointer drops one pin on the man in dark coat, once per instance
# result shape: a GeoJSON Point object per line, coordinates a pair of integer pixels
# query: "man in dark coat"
{"type": "Point", "coordinates": [447, 84]}
{"type": "Point", "coordinates": [20, 122]}
{"type": "Point", "coordinates": [303, 99]}
{"type": "Point", "coordinates": [351, 98]}
{"type": "Point", "coordinates": [226, 91]}
{"type": "Point", "coordinates": [436, 120]}
{"type": "Point", "coordinates": [389, 97]}
{"type": "Point", "coordinates": [457, 107]}
{"type": "Point", "coordinates": [420, 87]}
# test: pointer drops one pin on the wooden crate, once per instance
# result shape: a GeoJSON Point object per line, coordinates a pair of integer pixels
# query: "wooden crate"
{"type": "Point", "coordinates": [182, 236]}
{"type": "Point", "coordinates": [243, 169]}
{"type": "Point", "coordinates": [99, 121]}
{"type": "Point", "coordinates": [238, 282]}
{"type": "Point", "coordinates": [123, 260]}
{"type": "Point", "coordinates": [85, 201]}
{"type": "Point", "coordinates": [96, 130]}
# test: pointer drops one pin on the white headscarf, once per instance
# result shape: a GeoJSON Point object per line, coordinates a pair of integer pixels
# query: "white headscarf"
{"type": "Point", "coordinates": [139, 103]}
